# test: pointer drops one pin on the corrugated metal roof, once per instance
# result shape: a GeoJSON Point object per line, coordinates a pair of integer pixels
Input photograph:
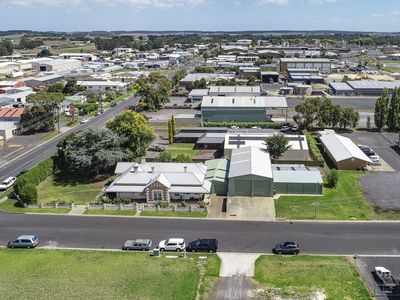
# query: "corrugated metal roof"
{"type": "Point", "coordinates": [373, 84]}
{"type": "Point", "coordinates": [342, 148]}
{"type": "Point", "coordinates": [296, 174]}
{"type": "Point", "coordinates": [249, 102]}
{"type": "Point", "coordinates": [250, 161]}
{"type": "Point", "coordinates": [340, 86]}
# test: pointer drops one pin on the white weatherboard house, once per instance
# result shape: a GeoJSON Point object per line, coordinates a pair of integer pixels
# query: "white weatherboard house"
{"type": "Point", "coordinates": [153, 182]}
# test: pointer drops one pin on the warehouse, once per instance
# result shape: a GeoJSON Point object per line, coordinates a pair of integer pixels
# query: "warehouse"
{"type": "Point", "coordinates": [56, 65]}
{"type": "Point", "coordinates": [250, 173]}
{"type": "Point", "coordinates": [269, 77]}
{"type": "Point", "coordinates": [344, 153]}
{"type": "Point", "coordinates": [305, 78]}
{"type": "Point", "coordinates": [341, 89]}
{"type": "Point", "coordinates": [297, 179]}
{"type": "Point", "coordinates": [240, 109]}
{"type": "Point", "coordinates": [197, 94]}
{"type": "Point", "coordinates": [44, 81]}
{"type": "Point", "coordinates": [217, 174]}
{"type": "Point", "coordinates": [234, 91]}
{"type": "Point", "coordinates": [372, 87]}
{"type": "Point", "coordinates": [102, 86]}
{"type": "Point", "coordinates": [321, 64]}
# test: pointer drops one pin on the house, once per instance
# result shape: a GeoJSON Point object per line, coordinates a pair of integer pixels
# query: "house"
{"type": "Point", "coordinates": [65, 105]}
{"type": "Point", "coordinates": [343, 152]}
{"type": "Point", "coordinates": [193, 134]}
{"type": "Point", "coordinates": [13, 84]}
{"type": "Point", "coordinates": [7, 130]}
{"type": "Point", "coordinates": [102, 86]}
{"type": "Point", "coordinates": [15, 94]}
{"type": "Point", "coordinates": [250, 173]}
{"type": "Point", "coordinates": [240, 109]}
{"type": "Point", "coordinates": [154, 182]}
{"type": "Point", "coordinates": [11, 114]}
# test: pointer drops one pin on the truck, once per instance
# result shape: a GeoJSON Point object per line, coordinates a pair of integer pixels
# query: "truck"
{"type": "Point", "coordinates": [388, 281]}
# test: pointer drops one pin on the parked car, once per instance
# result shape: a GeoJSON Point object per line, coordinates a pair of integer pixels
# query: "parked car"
{"type": "Point", "coordinates": [83, 121]}
{"type": "Point", "coordinates": [286, 248]}
{"type": "Point", "coordinates": [367, 150]}
{"type": "Point", "coordinates": [234, 127]}
{"type": "Point", "coordinates": [255, 127]}
{"type": "Point", "coordinates": [386, 277]}
{"type": "Point", "coordinates": [203, 245]}
{"type": "Point", "coordinates": [375, 160]}
{"type": "Point", "coordinates": [174, 244]}
{"type": "Point", "coordinates": [140, 244]}
{"type": "Point", "coordinates": [113, 104]}
{"type": "Point", "coordinates": [294, 128]}
{"type": "Point", "coordinates": [157, 148]}
{"type": "Point", "coordinates": [98, 113]}
{"type": "Point", "coordinates": [285, 128]}
{"type": "Point", "coordinates": [7, 183]}
{"type": "Point", "coordinates": [24, 241]}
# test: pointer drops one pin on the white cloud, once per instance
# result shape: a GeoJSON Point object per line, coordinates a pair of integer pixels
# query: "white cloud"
{"type": "Point", "coordinates": [322, 1]}
{"type": "Point", "coordinates": [273, 2]}
{"type": "Point", "coordinates": [136, 4]}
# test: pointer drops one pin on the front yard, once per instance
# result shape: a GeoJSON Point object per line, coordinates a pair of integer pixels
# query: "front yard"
{"type": "Point", "coordinates": [55, 189]}
{"type": "Point", "coordinates": [69, 274]}
{"type": "Point", "coordinates": [12, 206]}
{"type": "Point", "coordinates": [308, 277]}
{"type": "Point", "coordinates": [346, 202]}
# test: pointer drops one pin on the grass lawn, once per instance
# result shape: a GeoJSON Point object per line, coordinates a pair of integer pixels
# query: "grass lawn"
{"type": "Point", "coordinates": [59, 190]}
{"type": "Point", "coordinates": [186, 214]}
{"type": "Point", "coordinates": [391, 69]}
{"type": "Point", "coordinates": [69, 274]}
{"type": "Point", "coordinates": [10, 206]}
{"type": "Point", "coordinates": [343, 203]}
{"type": "Point", "coordinates": [302, 276]}
{"type": "Point", "coordinates": [110, 212]}
{"type": "Point", "coordinates": [72, 49]}
{"type": "Point", "coordinates": [177, 149]}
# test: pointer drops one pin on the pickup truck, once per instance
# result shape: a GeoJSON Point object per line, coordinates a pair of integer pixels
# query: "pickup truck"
{"type": "Point", "coordinates": [386, 277]}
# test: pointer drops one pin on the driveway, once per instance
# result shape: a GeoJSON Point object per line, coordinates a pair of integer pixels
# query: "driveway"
{"type": "Point", "coordinates": [251, 208]}
{"type": "Point", "coordinates": [381, 188]}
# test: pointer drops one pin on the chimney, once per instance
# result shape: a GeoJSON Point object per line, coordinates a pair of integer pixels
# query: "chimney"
{"type": "Point", "coordinates": [185, 169]}
{"type": "Point", "coordinates": [135, 168]}
{"type": "Point", "coordinates": [152, 169]}
{"type": "Point", "coordinates": [143, 160]}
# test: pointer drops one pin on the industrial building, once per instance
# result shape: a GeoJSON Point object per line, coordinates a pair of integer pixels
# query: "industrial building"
{"type": "Point", "coordinates": [372, 87]}
{"type": "Point", "coordinates": [56, 65]}
{"type": "Point", "coordinates": [217, 174]}
{"type": "Point", "coordinates": [44, 81]}
{"type": "Point", "coordinates": [102, 86]}
{"type": "Point", "coordinates": [240, 109]}
{"type": "Point", "coordinates": [269, 77]}
{"type": "Point", "coordinates": [234, 91]}
{"type": "Point", "coordinates": [197, 94]}
{"type": "Point", "coordinates": [321, 64]}
{"type": "Point", "coordinates": [341, 89]}
{"type": "Point", "coordinates": [344, 154]}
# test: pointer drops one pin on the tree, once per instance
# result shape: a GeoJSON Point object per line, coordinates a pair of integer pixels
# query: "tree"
{"type": "Point", "coordinates": [336, 116]}
{"type": "Point", "coordinates": [333, 178]}
{"type": "Point", "coordinates": [28, 193]}
{"type": "Point", "coordinates": [349, 117]}
{"type": "Point", "coordinates": [111, 96]}
{"type": "Point", "coordinates": [251, 80]}
{"type": "Point", "coordinates": [368, 122]}
{"type": "Point", "coordinates": [134, 132]}
{"type": "Point", "coordinates": [72, 88]}
{"type": "Point", "coordinates": [56, 88]}
{"type": "Point", "coordinates": [325, 116]}
{"type": "Point", "coordinates": [307, 112]}
{"type": "Point", "coordinates": [277, 145]}
{"type": "Point", "coordinates": [91, 152]}
{"type": "Point", "coordinates": [170, 133]}
{"type": "Point", "coordinates": [164, 157]}
{"type": "Point", "coordinates": [44, 53]}
{"type": "Point", "coordinates": [45, 99]}
{"type": "Point", "coordinates": [173, 125]}
{"type": "Point", "coordinates": [392, 121]}
{"type": "Point", "coordinates": [381, 110]}
{"type": "Point", "coordinates": [183, 158]}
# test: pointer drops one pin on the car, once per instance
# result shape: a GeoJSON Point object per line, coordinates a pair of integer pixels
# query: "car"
{"type": "Point", "coordinates": [173, 244]}
{"type": "Point", "coordinates": [113, 104]}
{"type": "Point", "coordinates": [83, 121]}
{"type": "Point", "coordinates": [24, 241]}
{"type": "Point", "coordinates": [203, 245]}
{"type": "Point", "coordinates": [375, 160]}
{"type": "Point", "coordinates": [255, 127]}
{"type": "Point", "coordinates": [157, 148]}
{"type": "Point", "coordinates": [139, 244]}
{"type": "Point", "coordinates": [294, 128]}
{"type": "Point", "coordinates": [234, 127]}
{"type": "Point", "coordinates": [367, 150]}
{"type": "Point", "coordinates": [98, 113]}
{"type": "Point", "coordinates": [7, 183]}
{"type": "Point", "coordinates": [286, 248]}
{"type": "Point", "coordinates": [285, 128]}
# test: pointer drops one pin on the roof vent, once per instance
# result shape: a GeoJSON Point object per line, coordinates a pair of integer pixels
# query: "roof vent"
{"type": "Point", "coordinates": [185, 169]}
{"type": "Point", "coordinates": [212, 100]}
{"type": "Point", "coordinates": [233, 100]}
{"type": "Point", "coordinates": [152, 169]}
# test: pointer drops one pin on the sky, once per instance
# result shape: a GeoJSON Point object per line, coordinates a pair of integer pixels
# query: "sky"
{"type": "Point", "coordinates": [207, 15]}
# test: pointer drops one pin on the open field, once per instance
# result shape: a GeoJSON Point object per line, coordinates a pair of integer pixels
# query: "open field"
{"type": "Point", "coordinates": [186, 214]}
{"type": "Point", "coordinates": [185, 149]}
{"type": "Point", "coordinates": [12, 206]}
{"type": "Point", "coordinates": [76, 49]}
{"type": "Point", "coordinates": [304, 277]}
{"type": "Point", "coordinates": [68, 274]}
{"type": "Point", "coordinates": [346, 202]}
{"type": "Point", "coordinates": [60, 190]}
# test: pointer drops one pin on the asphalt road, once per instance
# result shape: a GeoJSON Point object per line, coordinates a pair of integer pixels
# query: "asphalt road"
{"type": "Point", "coordinates": [234, 236]}
{"type": "Point", "coordinates": [31, 158]}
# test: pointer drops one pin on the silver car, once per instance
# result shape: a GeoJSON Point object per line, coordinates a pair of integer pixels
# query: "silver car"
{"type": "Point", "coordinates": [24, 241]}
{"type": "Point", "coordinates": [141, 244]}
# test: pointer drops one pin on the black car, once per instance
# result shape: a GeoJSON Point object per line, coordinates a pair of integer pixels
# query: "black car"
{"type": "Point", "coordinates": [286, 248]}
{"type": "Point", "coordinates": [203, 245]}
{"type": "Point", "coordinates": [157, 148]}
{"type": "Point", "coordinates": [367, 150]}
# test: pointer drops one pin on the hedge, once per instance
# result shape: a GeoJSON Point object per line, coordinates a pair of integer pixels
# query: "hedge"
{"type": "Point", "coordinates": [87, 108]}
{"type": "Point", "coordinates": [312, 144]}
{"type": "Point", "coordinates": [273, 125]}
{"type": "Point", "coordinates": [33, 177]}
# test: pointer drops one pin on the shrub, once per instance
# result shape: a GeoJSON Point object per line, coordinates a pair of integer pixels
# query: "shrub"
{"type": "Point", "coordinates": [333, 178]}
{"type": "Point", "coordinates": [86, 108]}
{"type": "Point", "coordinates": [164, 204]}
{"type": "Point", "coordinates": [274, 125]}
{"type": "Point", "coordinates": [312, 145]}
{"type": "Point", "coordinates": [28, 193]}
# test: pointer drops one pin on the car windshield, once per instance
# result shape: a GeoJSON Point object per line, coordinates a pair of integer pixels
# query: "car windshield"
{"type": "Point", "coordinates": [34, 238]}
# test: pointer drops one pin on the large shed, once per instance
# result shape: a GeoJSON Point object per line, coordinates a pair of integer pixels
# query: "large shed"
{"type": "Point", "coordinates": [217, 174]}
{"type": "Point", "coordinates": [344, 153]}
{"type": "Point", "coordinates": [250, 173]}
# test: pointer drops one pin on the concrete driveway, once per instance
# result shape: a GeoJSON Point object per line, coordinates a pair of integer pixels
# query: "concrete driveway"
{"type": "Point", "coordinates": [251, 208]}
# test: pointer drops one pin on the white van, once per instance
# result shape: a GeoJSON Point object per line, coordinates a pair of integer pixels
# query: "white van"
{"type": "Point", "coordinates": [176, 244]}
{"type": "Point", "coordinates": [7, 183]}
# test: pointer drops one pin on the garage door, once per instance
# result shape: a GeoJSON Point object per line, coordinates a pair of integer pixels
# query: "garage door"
{"type": "Point", "coordinates": [242, 187]}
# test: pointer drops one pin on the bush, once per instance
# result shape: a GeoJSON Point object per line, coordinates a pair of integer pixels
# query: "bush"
{"type": "Point", "coordinates": [28, 193]}
{"type": "Point", "coordinates": [87, 108]}
{"type": "Point", "coordinates": [164, 204]}
{"type": "Point", "coordinates": [273, 125]}
{"type": "Point", "coordinates": [333, 178]}
{"type": "Point", "coordinates": [33, 177]}
{"type": "Point", "coordinates": [312, 145]}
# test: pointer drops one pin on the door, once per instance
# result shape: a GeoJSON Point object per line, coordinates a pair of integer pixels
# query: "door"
{"type": "Point", "coordinates": [170, 247]}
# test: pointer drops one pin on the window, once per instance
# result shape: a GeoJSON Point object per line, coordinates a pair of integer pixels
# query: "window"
{"type": "Point", "coordinates": [157, 195]}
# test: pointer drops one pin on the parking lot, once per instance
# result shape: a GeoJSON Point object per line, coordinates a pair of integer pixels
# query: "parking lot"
{"type": "Point", "coordinates": [368, 265]}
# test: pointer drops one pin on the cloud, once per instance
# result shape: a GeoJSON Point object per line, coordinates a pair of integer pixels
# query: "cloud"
{"type": "Point", "coordinates": [322, 1]}
{"type": "Point", "coordinates": [273, 2]}
{"type": "Point", "coordinates": [136, 4]}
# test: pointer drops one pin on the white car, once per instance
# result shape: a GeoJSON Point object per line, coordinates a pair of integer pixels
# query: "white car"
{"type": "Point", "coordinates": [7, 183]}
{"type": "Point", "coordinates": [376, 160]}
{"type": "Point", "coordinates": [175, 244]}
{"type": "Point", "coordinates": [295, 128]}
{"type": "Point", "coordinates": [255, 127]}
{"type": "Point", "coordinates": [84, 121]}
{"type": "Point", "coordinates": [234, 127]}
{"type": "Point", "coordinates": [285, 128]}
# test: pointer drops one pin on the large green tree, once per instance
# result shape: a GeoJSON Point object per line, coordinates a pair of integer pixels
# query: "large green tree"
{"type": "Point", "coordinates": [277, 145]}
{"type": "Point", "coordinates": [72, 88]}
{"type": "Point", "coordinates": [392, 121]}
{"type": "Point", "coordinates": [308, 112]}
{"type": "Point", "coordinates": [381, 110]}
{"type": "Point", "coordinates": [136, 135]}
{"type": "Point", "coordinates": [45, 99]}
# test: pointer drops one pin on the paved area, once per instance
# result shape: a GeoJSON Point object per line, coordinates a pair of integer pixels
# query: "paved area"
{"type": "Point", "coordinates": [251, 208]}
{"type": "Point", "coordinates": [217, 207]}
{"type": "Point", "coordinates": [235, 264]}
{"type": "Point", "coordinates": [77, 210]}
{"type": "Point", "coordinates": [232, 288]}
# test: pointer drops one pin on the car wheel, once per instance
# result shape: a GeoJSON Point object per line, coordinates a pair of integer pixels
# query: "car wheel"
{"type": "Point", "coordinates": [296, 253]}
{"type": "Point", "coordinates": [12, 246]}
{"type": "Point", "coordinates": [210, 251]}
{"type": "Point", "coordinates": [178, 250]}
{"type": "Point", "coordinates": [28, 247]}
{"type": "Point", "coordinates": [193, 250]}
{"type": "Point", "coordinates": [162, 249]}
{"type": "Point", "coordinates": [144, 249]}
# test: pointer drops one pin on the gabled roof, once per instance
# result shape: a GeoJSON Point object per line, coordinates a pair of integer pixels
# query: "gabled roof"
{"type": "Point", "coordinates": [250, 161]}
{"type": "Point", "coordinates": [161, 179]}
{"type": "Point", "coordinates": [342, 148]}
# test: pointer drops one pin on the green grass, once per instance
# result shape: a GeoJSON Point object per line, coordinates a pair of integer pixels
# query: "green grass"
{"type": "Point", "coordinates": [185, 149]}
{"type": "Point", "coordinates": [391, 69]}
{"type": "Point", "coordinates": [69, 274]}
{"type": "Point", "coordinates": [300, 276]}
{"type": "Point", "coordinates": [109, 212]}
{"type": "Point", "coordinates": [74, 49]}
{"type": "Point", "coordinates": [185, 214]}
{"type": "Point", "coordinates": [60, 190]}
{"type": "Point", "coordinates": [50, 135]}
{"type": "Point", "coordinates": [11, 206]}
{"type": "Point", "coordinates": [346, 202]}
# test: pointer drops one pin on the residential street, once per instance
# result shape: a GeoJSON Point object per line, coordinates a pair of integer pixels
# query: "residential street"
{"type": "Point", "coordinates": [36, 155]}
{"type": "Point", "coordinates": [234, 236]}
